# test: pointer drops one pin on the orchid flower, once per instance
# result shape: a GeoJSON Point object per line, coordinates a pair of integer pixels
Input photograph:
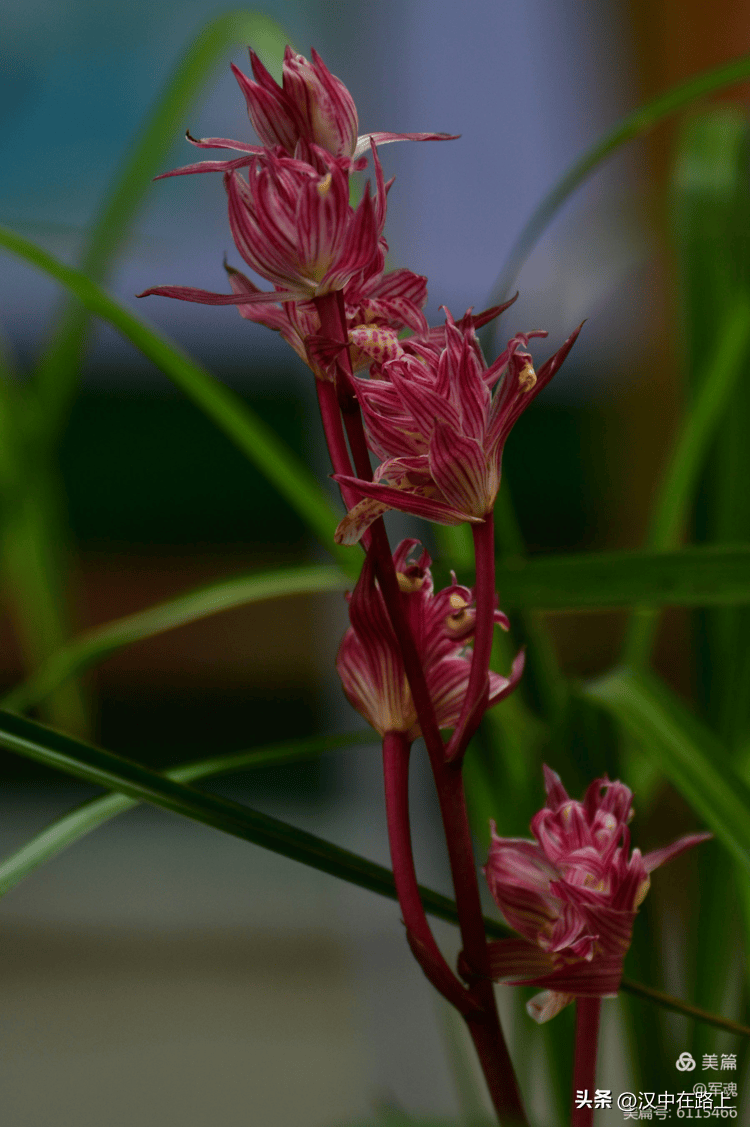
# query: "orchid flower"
{"type": "Point", "coordinates": [311, 105]}
{"type": "Point", "coordinates": [432, 418]}
{"type": "Point", "coordinates": [292, 223]}
{"type": "Point", "coordinates": [369, 660]}
{"type": "Point", "coordinates": [573, 894]}
{"type": "Point", "coordinates": [377, 307]}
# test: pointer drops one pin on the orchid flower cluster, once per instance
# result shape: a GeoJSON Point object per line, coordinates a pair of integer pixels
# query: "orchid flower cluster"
{"type": "Point", "coordinates": [416, 662]}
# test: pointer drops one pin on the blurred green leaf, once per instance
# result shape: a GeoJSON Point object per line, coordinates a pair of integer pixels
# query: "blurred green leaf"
{"type": "Point", "coordinates": [75, 825]}
{"type": "Point", "coordinates": [60, 366]}
{"type": "Point", "coordinates": [98, 644]}
{"type": "Point", "coordinates": [461, 1062]}
{"type": "Point", "coordinates": [710, 220]}
{"type": "Point", "coordinates": [727, 363]}
{"type": "Point", "coordinates": [278, 464]}
{"type": "Point", "coordinates": [704, 576]}
{"type": "Point", "coordinates": [711, 228]}
{"type": "Point", "coordinates": [631, 127]}
{"type": "Point", "coordinates": [686, 751]}
{"type": "Point", "coordinates": [104, 768]}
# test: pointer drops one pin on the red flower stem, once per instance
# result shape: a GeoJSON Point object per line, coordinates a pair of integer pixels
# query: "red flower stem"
{"type": "Point", "coordinates": [334, 432]}
{"type": "Point", "coordinates": [396, 749]}
{"type": "Point", "coordinates": [584, 1068]}
{"type": "Point", "coordinates": [484, 1022]}
{"type": "Point", "coordinates": [475, 701]}
{"type": "Point", "coordinates": [484, 1025]}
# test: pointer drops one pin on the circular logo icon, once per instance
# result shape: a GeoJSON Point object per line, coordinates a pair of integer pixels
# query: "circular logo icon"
{"type": "Point", "coordinates": [684, 1063]}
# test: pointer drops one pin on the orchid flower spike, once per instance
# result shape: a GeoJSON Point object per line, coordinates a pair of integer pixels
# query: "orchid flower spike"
{"type": "Point", "coordinates": [369, 660]}
{"type": "Point", "coordinates": [432, 418]}
{"type": "Point", "coordinates": [573, 894]}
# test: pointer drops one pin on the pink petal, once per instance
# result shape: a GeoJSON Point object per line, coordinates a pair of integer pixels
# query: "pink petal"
{"type": "Point", "coordinates": [658, 857]}
{"type": "Point", "coordinates": [542, 1007]}
{"type": "Point", "coordinates": [459, 468]}
{"type": "Point", "coordinates": [556, 792]}
{"type": "Point", "coordinates": [349, 532]}
{"type": "Point", "coordinates": [517, 959]}
{"type": "Point", "coordinates": [206, 297]}
{"type": "Point", "coordinates": [356, 522]}
{"type": "Point", "coordinates": [363, 142]}
{"type": "Point", "coordinates": [224, 143]}
{"type": "Point", "coordinates": [501, 687]}
{"type": "Point", "coordinates": [208, 166]}
{"type": "Point", "coordinates": [268, 108]}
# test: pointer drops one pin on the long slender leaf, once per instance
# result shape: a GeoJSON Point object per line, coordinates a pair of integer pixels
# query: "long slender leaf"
{"type": "Point", "coordinates": [677, 490]}
{"type": "Point", "coordinates": [104, 768]}
{"type": "Point", "coordinates": [257, 441]}
{"type": "Point", "coordinates": [114, 772]}
{"type": "Point", "coordinates": [60, 365]}
{"type": "Point", "coordinates": [631, 127]}
{"type": "Point", "coordinates": [711, 231]}
{"type": "Point", "coordinates": [87, 817]}
{"type": "Point", "coordinates": [687, 752]}
{"type": "Point", "coordinates": [98, 644]}
{"type": "Point", "coordinates": [702, 576]}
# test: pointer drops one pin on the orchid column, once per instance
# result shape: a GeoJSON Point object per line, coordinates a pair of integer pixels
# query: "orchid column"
{"type": "Point", "coordinates": [424, 405]}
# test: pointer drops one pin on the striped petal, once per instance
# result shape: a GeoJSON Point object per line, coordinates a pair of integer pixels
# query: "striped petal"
{"type": "Point", "coordinates": [365, 140]}
{"type": "Point", "coordinates": [460, 471]}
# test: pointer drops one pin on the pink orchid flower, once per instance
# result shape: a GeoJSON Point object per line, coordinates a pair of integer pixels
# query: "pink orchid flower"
{"type": "Point", "coordinates": [311, 105]}
{"type": "Point", "coordinates": [433, 420]}
{"type": "Point", "coordinates": [377, 307]}
{"type": "Point", "coordinates": [369, 660]}
{"type": "Point", "coordinates": [573, 894]}
{"type": "Point", "coordinates": [292, 223]}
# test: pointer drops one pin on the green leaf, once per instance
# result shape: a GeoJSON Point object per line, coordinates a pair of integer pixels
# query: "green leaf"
{"type": "Point", "coordinates": [104, 768]}
{"type": "Point", "coordinates": [701, 576]}
{"type": "Point", "coordinates": [698, 430]}
{"type": "Point", "coordinates": [96, 645]}
{"type": "Point", "coordinates": [81, 821]}
{"type": "Point", "coordinates": [634, 125]}
{"type": "Point", "coordinates": [278, 464]}
{"type": "Point", "coordinates": [687, 752]}
{"type": "Point", "coordinates": [711, 228]}
{"type": "Point", "coordinates": [114, 772]}
{"type": "Point", "coordinates": [144, 158]}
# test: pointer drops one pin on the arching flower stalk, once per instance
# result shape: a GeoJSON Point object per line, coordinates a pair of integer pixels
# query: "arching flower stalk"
{"type": "Point", "coordinates": [406, 663]}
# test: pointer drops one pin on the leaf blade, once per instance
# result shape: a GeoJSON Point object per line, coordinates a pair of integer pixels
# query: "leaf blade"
{"type": "Point", "coordinates": [634, 125]}
{"type": "Point", "coordinates": [687, 752]}
{"type": "Point", "coordinates": [105, 768]}
{"type": "Point", "coordinates": [696, 576]}
{"type": "Point", "coordinates": [257, 441]}
{"type": "Point", "coordinates": [58, 368]}
{"type": "Point", "coordinates": [98, 644]}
